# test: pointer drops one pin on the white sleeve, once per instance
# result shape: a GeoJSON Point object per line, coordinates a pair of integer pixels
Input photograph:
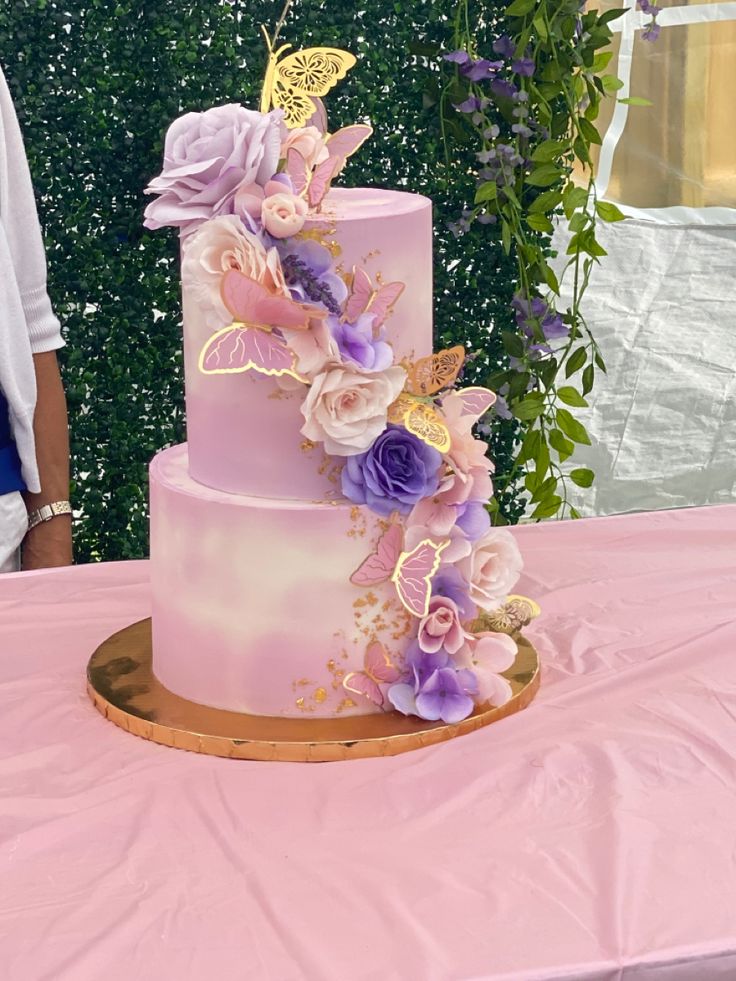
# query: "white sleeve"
{"type": "Point", "coordinates": [20, 222]}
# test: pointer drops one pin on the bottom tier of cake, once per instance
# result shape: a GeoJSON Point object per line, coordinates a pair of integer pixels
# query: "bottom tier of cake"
{"type": "Point", "coordinates": [253, 608]}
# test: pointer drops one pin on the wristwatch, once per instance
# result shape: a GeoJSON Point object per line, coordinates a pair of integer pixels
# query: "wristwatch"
{"type": "Point", "coordinates": [47, 512]}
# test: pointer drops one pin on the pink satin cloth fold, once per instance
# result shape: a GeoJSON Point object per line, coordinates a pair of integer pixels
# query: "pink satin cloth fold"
{"type": "Point", "coordinates": [592, 837]}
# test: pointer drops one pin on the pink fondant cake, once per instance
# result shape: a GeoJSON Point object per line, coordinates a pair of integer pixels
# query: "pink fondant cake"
{"type": "Point", "coordinates": [322, 545]}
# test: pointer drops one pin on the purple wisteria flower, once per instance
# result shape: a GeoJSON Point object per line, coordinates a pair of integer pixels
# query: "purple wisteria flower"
{"type": "Point", "coordinates": [474, 69]}
{"type": "Point", "coordinates": [359, 344]}
{"type": "Point", "coordinates": [396, 473]}
{"type": "Point", "coordinates": [523, 66]}
{"type": "Point", "coordinates": [651, 32]}
{"type": "Point", "coordinates": [503, 89]}
{"type": "Point", "coordinates": [471, 104]}
{"type": "Point", "coordinates": [537, 311]}
{"type": "Point", "coordinates": [504, 46]}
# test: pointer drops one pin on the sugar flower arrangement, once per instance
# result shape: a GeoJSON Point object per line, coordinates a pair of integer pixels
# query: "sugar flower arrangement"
{"type": "Point", "coordinates": [239, 184]}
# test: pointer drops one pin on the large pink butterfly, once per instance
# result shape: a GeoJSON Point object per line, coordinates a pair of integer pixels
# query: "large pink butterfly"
{"type": "Point", "coordinates": [411, 572]}
{"type": "Point", "coordinates": [365, 298]}
{"type": "Point", "coordinates": [249, 344]}
{"type": "Point", "coordinates": [315, 183]}
{"type": "Point", "coordinates": [377, 670]}
{"type": "Point", "coordinates": [474, 401]}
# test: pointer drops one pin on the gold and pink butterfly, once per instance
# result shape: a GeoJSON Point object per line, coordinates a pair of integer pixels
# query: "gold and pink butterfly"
{"type": "Point", "coordinates": [249, 344]}
{"type": "Point", "coordinates": [378, 669]}
{"type": "Point", "coordinates": [376, 300]}
{"type": "Point", "coordinates": [313, 183]}
{"type": "Point", "coordinates": [410, 572]}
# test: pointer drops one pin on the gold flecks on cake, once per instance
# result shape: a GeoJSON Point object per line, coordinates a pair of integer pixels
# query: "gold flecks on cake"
{"type": "Point", "coordinates": [307, 445]}
{"type": "Point", "coordinates": [371, 255]}
{"type": "Point", "coordinates": [346, 703]}
{"type": "Point", "coordinates": [322, 234]}
{"type": "Point", "coordinates": [320, 695]}
{"type": "Point", "coordinates": [301, 683]}
{"type": "Point", "coordinates": [337, 673]}
{"type": "Point", "coordinates": [358, 521]}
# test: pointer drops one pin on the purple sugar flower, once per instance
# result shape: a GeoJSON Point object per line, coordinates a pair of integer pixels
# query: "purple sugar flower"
{"type": "Point", "coordinates": [310, 276]}
{"type": "Point", "coordinates": [473, 520]}
{"type": "Point", "coordinates": [523, 66]}
{"type": "Point", "coordinates": [443, 696]}
{"type": "Point", "coordinates": [504, 46]}
{"type": "Point", "coordinates": [397, 472]}
{"type": "Point", "coordinates": [358, 344]}
{"type": "Point", "coordinates": [421, 664]}
{"type": "Point", "coordinates": [448, 582]}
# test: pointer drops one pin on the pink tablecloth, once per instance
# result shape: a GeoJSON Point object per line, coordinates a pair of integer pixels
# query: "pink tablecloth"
{"type": "Point", "coordinates": [593, 836]}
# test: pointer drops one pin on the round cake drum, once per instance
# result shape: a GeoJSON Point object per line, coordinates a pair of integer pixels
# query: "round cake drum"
{"type": "Point", "coordinates": [124, 689]}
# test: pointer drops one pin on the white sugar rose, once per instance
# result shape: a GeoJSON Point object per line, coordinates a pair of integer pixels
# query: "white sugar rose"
{"type": "Point", "coordinates": [216, 246]}
{"type": "Point", "coordinates": [309, 142]}
{"type": "Point", "coordinates": [283, 214]}
{"type": "Point", "coordinates": [347, 410]}
{"type": "Point", "coordinates": [492, 568]}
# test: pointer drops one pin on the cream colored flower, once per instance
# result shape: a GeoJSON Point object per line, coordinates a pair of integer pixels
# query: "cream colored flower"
{"type": "Point", "coordinates": [346, 410]}
{"type": "Point", "coordinates": [492, 568]}
{"type": "Point", "coordinates": [283, 214]}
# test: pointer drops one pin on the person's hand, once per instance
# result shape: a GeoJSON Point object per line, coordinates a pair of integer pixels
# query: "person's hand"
{"type": "Point", "coordinates": [48, 545]}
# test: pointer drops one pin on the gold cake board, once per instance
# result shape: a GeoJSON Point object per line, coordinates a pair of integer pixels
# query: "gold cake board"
{"type": "Point", "coordinates": [124, 689]}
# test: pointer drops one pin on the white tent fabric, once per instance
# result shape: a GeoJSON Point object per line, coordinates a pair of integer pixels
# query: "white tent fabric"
{"type": "Point", "coordinates": [662, 304]}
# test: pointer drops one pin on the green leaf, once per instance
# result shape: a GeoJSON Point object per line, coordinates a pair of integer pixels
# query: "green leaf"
{"type": "Point", "coordinates": [601, 61]}
{"type": "Point", "coordinates": [610, 15]}
{"type": "Point", "coordinates": [547, 201]}
{"type": "Point", "coordinates": [528, 408]}
{"type": "Point", "coordinates": [570, 396]}
{"type": "Point", "coordinates": [582, 477]}
{"type": "Point", "coordinates": [531, 481]}
{"type": "Point", "coordinates": [518, 384]}
{"type": "Point", "coordinates": [574, 514]}
{"type": "Point", "coordinates": [609, 212]}
{"type": "Point", "coordinates": [589, 131]}
{"type": "Point", "coordinates": [557, 441]}
{"type": "Point", "coordinates": [600, 362]}
{"type": "Point", "coordinates": [573, 197]}
{"type": "Point", "coordinates": [611, 84]}
{"type": "Point", "coordinates": [530, 445]}
{"type": "Point", "coordinates": [541, 461]}
{"type": "Point", "coordinates": [506, 236]}
{"type": "Point", "coordinates": [540, 223]}
{"type": "Point", "coordinates": [486, 192]}
{"type": "Point", "coordinates": [520, 7]}
{"type": "Point", "coordinates": [571, 427]}
{"type": "Point", "coordinates": [512, 344]}
{"type": "Point", "coordinates": [545, 175]}
{"type": "Point", "coordinates": [547, 508]}
{"type": "Point", "coordinates": [588, 377]}
{"type": "Point", "coordinates": [635, 100]}
{"type": "Point", "coordinates": [550, 278]}
{"type": "Point", "coordinates": [578, 221]}
{"type": "Point", "coordinates": [576, 361]}
{"type": "Point", "coordinates": [549, 150]}
{"type": "Point", "coordinates": [541, 27]}
{"type": "Point", "coordinates": [545, 489]}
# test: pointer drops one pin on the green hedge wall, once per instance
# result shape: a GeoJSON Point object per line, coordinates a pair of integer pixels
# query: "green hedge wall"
{"type": "Point", "coordinates": [96, 83]}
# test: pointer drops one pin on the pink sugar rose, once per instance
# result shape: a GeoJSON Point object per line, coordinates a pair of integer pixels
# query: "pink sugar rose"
{"type": "Point", "coordinates": [471, 467]}
{"type": "Point", "coordinates": [486, 655]}
{"type": "Point", "coordinates": [457, 547]}
{"type": "Point", "coordinates": [347, 409]}
{"type": "Point", "coordinates": [441, 627]}
{"type": "Point", "coordinates": [208, 156]}
{"type": "Point", "coordinates": [283, 214]}
{"type": "Point", "coordinates": [492, 568]}
{"type": "Point", "coordinates": [213, 248]}
{"type": "Point", "coordinates": [309, 142]}
{"type": "Point", "coordinates": [250, 197]}
{"type": "Point", "coordinates": [314, 347]}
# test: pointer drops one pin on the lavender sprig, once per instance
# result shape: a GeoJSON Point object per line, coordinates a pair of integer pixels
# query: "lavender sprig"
{"type": "Point", "coordinates": [298, 273]}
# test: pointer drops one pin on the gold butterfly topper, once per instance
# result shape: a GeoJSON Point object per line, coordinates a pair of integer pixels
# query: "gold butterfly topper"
{"type": "Point", "coordinates": [414, 408]}
{"type": "Point", "coordinates": [294, 81]}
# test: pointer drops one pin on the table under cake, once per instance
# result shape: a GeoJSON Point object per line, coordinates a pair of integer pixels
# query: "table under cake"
{"type": "Point", "coordinates": [590, 837]}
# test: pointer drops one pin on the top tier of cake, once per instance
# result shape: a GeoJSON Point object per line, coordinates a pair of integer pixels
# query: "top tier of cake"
{"type": "Point", "coordinates": [244, 429]}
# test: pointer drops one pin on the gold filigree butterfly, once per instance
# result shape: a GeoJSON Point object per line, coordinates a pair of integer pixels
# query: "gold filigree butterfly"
{"type": "Point", "coordinates": [414, 408]}
{"type": "Point", "coordinates": [294, 81]}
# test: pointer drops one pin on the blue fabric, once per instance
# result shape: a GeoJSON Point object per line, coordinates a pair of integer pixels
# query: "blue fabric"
{"type": "Point", "coordinates": [11, 478]}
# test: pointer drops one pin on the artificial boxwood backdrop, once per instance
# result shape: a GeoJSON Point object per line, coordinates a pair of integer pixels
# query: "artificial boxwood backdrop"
{"type": "Point", "coordinates": [96, 83]}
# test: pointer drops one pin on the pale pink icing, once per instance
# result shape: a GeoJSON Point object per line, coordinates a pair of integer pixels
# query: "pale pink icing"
{"type": "Point", "coordinates": [243, 430]}
{"type": "Point", "coordinates": [253, 608]}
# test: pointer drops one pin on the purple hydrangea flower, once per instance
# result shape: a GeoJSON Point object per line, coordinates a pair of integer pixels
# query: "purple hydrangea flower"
{"type": "Point", "coordinates": [443, 696]}
{"type": "Point", "coordinates": [310, 273]}
{"type": "Point", "coordinates": [473, 519]}
{"type": "Point", "coordinates": [396, 473]}
{"type": "Point", "coordinates": [359, 345]}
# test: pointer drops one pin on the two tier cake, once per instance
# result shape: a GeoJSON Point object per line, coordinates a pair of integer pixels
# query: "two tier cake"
{"type": "Point", "coordinates": [321, 546]}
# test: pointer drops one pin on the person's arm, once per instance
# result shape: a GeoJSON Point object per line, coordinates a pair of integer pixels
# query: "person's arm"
{"type": "Point", "coordinates": [50, 542]}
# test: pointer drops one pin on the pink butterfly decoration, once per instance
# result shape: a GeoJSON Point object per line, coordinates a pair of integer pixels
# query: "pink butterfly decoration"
{"type": "Point", "coordinates": [248, 344]}
{"type": "Point", "coordinates": [377, 669]}
{"type": "Point", "coordinates": [314, 184]}
{"type": "Point", "coordinates": [474, 402]}
{"type": "Point", "coordinates": [411, 572]}
{"type": "Point", "coordinates": [365, 298]}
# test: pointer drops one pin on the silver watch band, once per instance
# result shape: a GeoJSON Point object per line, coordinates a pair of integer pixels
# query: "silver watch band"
{"type": "Point", "coordinates": [47, 512]}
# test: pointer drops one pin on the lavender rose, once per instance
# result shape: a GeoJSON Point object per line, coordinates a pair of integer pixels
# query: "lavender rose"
{"type": "Point", "coordinates": [397, 471]}
{"type": "Point", "coordinates": [208, 156]}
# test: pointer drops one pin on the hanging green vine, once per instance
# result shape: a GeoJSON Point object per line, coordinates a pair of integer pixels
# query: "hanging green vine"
{"type": "Point", "coordinates": [530, 110]}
